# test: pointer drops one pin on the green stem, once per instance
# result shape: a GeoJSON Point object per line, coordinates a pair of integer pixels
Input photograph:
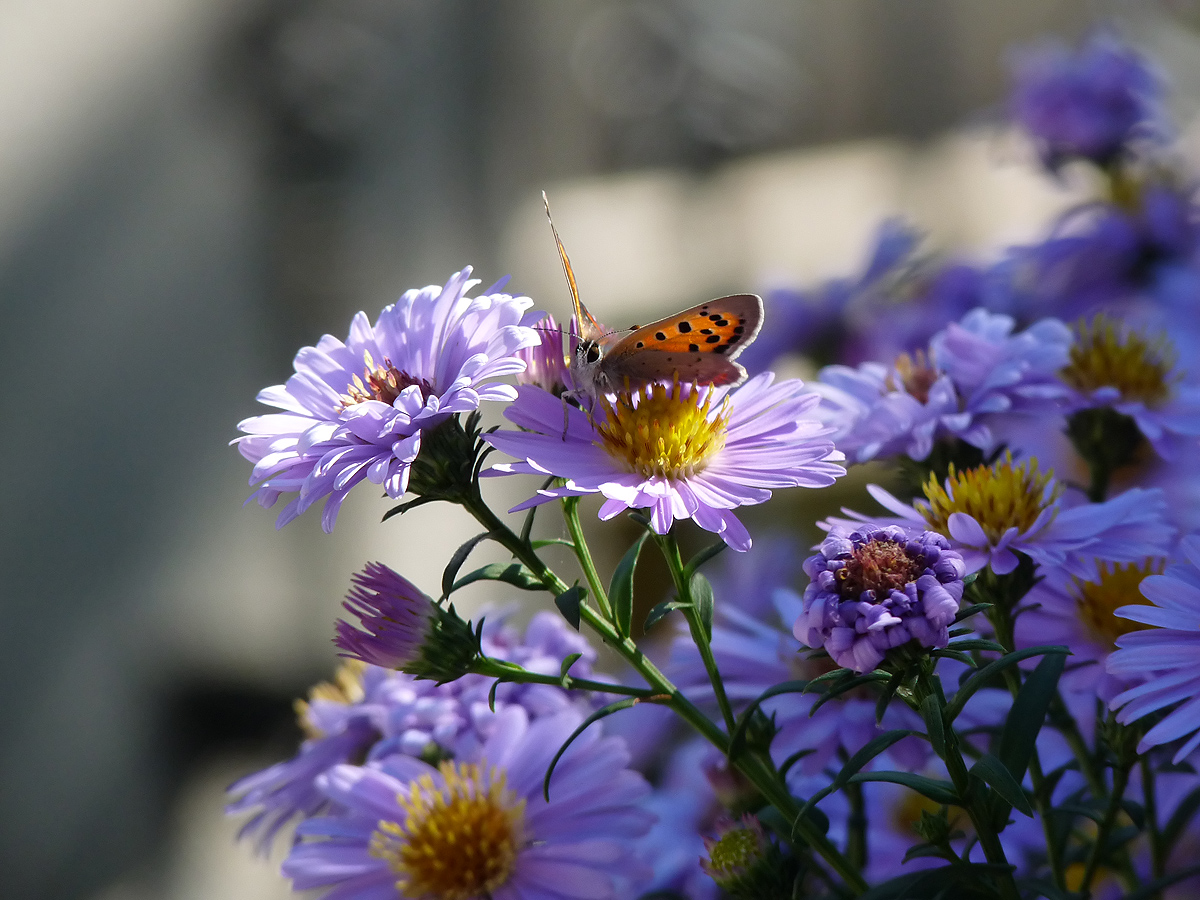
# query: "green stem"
{"type": "Point", "coordinates": [570, 507]}
{"type": "Point", "coordinates": [1120, 782]}
{"type": "Point", "coordinates": [1002, 621]}
{"type": "Point", "coordinates": [700, 637]}
{"type": "Point", "coordinates": [498, 668]}
{"type": "Point", "coordinates": [856, 826]}
{"type": "Point", "coordinates": [928, 684]}
{"type": "Point", "coordinates": [761, 774]}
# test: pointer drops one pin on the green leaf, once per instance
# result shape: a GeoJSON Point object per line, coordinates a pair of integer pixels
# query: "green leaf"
{"type": "Point", "coordinates": [1028, 713]}
{"type": "Point", "coordinates": [739, 731]}
{"type": "Point", "coordinates": [702, 557]}
{"type": "Point", "coordinates": [940, 792]}
{"type": "Point", "coordinates": [931, 712]}
{"type": "Point", "coordinates": [994, 773]}
{"type": "Point", "coordinates": [620, 589]}
{"type": "Point", "coordinates": [566, 666]}
{"type": "Point", "coordinates": [456, 562]}
{"type": "Point", "coordinates": [848, 684]}
{"type": "Point", "coordinates": [660, 610]}
{"type": "Point", "coordinates": [599, 714]}
{"type": "Point", "coordinates": [702, 597]}
{"type": "Point", "coordinates": [980, 678]}
{"type": "Point", "coordinates": [886, 695]}
{"type": "Point", "coordinates": [407, 506]}
{"type": "Point", "coordinates": [568, 604]}
{"type": "Point", "coordinates": [856, 762]}
{"type": "Point", "coordinates": [550, 542]}
{"type": "Point", "coordinates": [976, 644]}
{"type": "Point", "coordinates": [967, 612]}
{"type": "Point", "coordinates": [510, 573]}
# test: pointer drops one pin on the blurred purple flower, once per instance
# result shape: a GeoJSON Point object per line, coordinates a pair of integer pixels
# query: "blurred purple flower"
{"type": "Point", "coordinates": [358, 409]}
{"type": "Point", "coordinates": [1092, 104]}
{"type": "Point", "coordinates": [876, 589]}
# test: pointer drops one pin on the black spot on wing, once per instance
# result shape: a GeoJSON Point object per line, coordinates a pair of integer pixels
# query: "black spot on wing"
{"type": "Point", "coordinates": [693, 347]}
{"type": "Point", "coordinates": [713, 339]}
{"type": "Point", "coordinates": [739, 329]}
{"type": "Point", "coordinates": [715, 317]}
{"type": "Point", "coordinates": [659, 336]}
{"type": "Point", "coordinates": [684, 327]}
{"type": "Point", "coordinates": [724, 348]}
{"type": "Point", "coordinates": [706, 331]}
{"type": "Point", "coordinates": [640, 345]}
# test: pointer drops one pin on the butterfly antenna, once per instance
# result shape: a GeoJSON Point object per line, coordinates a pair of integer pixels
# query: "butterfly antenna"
{"type": "Point", "coordinates": [566, 264]}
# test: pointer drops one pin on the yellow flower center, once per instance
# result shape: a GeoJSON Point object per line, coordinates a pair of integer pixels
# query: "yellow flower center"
{"type": "Point", "coordinates": [668, 431]}
{"type": "Point", "coordinates": [1107, 355]}
{"type": "Point", "coordinates": [345, 688]}
{"type": "Point", "coordinates": [1117, 586]}
{"type": "Point", "coordinates": [998, 497]}
{"type": "Point", "coordinates": [735, 852]}
{"type": "Point", "coordinates": [457, 842]}
{"type": "Point", "coordinates": [381, 382]}
{"type": "Point", "coordinates": [915, 374]}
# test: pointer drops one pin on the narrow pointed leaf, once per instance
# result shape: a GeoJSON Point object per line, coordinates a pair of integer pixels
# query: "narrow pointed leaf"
{"type": "Point", "coordinates": [660, 611]}
{"type": "Point", "coordinates": [568, 604]}
{"type": "Point", "coordinates": [510, 573]}
{"type": "Point", "coordinates": [456, 562]}
{"type": "Point", "coordinates": [620, 590]}
{"type": "Point", "coordinates": [980, 678]}
{"type": "Point", "coordinates": [702, 597]}
{"type": "Point", "coordinates": [992, 772]}
{"type": "Point", "coordinates": [599, 714]}
{"type": "Point", "coordinates": [702, 557]}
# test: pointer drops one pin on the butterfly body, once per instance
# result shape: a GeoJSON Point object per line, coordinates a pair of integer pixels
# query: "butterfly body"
{"type": "Point", "coordinates": [697, 345]}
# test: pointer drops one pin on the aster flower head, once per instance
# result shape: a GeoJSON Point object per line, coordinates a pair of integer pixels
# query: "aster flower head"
{"type": "Point", "coordinates": [746, 863]}
{"type": "Point", "coordinates": [481, 828]}
{"type": "Point", "coordinates": [993, 513]}
{"type": "Point", "coordinates": [1163, 655]}
{"type": "Point", "coordinates": [678, 450]}
{"type": "Point", "coordinates": [975, 371]}
{"type": "Point", "coordinates": [1125, 385]}
{"type": "Point", "coordinates": [1079, 612]}
{"type": "Point", "coordinates": [360, 408]}
{"type": "Point", "coordinates": [402, 628]}
{"type": "Point", "coordinates": [876, 589]}
{"type": "Point", "coordinates": [1088, 105]}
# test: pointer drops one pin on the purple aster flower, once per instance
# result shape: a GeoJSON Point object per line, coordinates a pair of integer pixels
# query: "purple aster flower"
{"type": "Point", "coordinates": [1164, 655]}
{"type": "Point", "coordinates": [481, 828]}
{"type": "Point", "coordinates": [1118, 368]}
{"type": "Point", "coordinates": [992, 513]}
{"type": "Point", "coordinates": [369, 712]}
{"type": "Point", "coordinates": [1080, 613]}
{"type": "Point", "coordinates": [976, 372]}
{"type": "Point", "coordinates": [876, 589]}
{"type": "Point", "coordinates": [358, 409]}
{"type": "Point", "coordinates": [682, 452]}
{"type": "Point", "coordinates": [1092, 104]}
{"type": "Point", "coordinates": [402, 628]}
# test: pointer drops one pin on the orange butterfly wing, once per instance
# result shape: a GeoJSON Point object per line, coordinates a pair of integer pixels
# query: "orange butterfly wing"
{"type": "Point", "coordinates": [723, 326]}
{"type": "Point", "coordinates": [698, 344]}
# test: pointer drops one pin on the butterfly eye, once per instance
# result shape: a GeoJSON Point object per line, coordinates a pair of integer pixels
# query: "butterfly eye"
{"type": "Point", "coordinates": [591, 352]}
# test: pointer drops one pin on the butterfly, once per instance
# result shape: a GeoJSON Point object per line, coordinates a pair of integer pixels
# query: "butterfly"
{"type": "Point", "coordinates": [697, 345]}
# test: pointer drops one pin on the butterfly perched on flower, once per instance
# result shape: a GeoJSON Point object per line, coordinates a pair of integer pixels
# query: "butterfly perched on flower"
{"type": "Point", "coordinates": [697, 345]}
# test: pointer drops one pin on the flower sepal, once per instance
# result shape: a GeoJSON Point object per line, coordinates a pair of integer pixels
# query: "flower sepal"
{"type": "Point", "coordinates": [447, 467]}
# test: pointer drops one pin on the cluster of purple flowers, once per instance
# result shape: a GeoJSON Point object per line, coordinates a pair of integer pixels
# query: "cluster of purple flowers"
{"type": "Point", "coordinates": [1043, 429]}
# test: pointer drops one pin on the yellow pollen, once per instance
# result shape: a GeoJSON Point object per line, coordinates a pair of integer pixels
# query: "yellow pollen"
{"type": "Point", "coordinates": [998, 497]}
{"type": "Point", "coordinates": [1117, 586]}
{"type": "Point", "coordinates": [458, 841]}
{"type": "Point", "coordinates": [1108, 355]}
{"type": "Point", "coordinates": [666, 431]}
{"type": "Point", "coordinates": [345, 688]}
{"type": "Point", "coordinates": [916, 375]}
{"type": "Point", "coordinates": [381, 382]}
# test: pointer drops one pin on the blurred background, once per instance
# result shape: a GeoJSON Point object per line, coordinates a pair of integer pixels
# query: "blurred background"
{"type": "Point", "coordinates": [191, 190]}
